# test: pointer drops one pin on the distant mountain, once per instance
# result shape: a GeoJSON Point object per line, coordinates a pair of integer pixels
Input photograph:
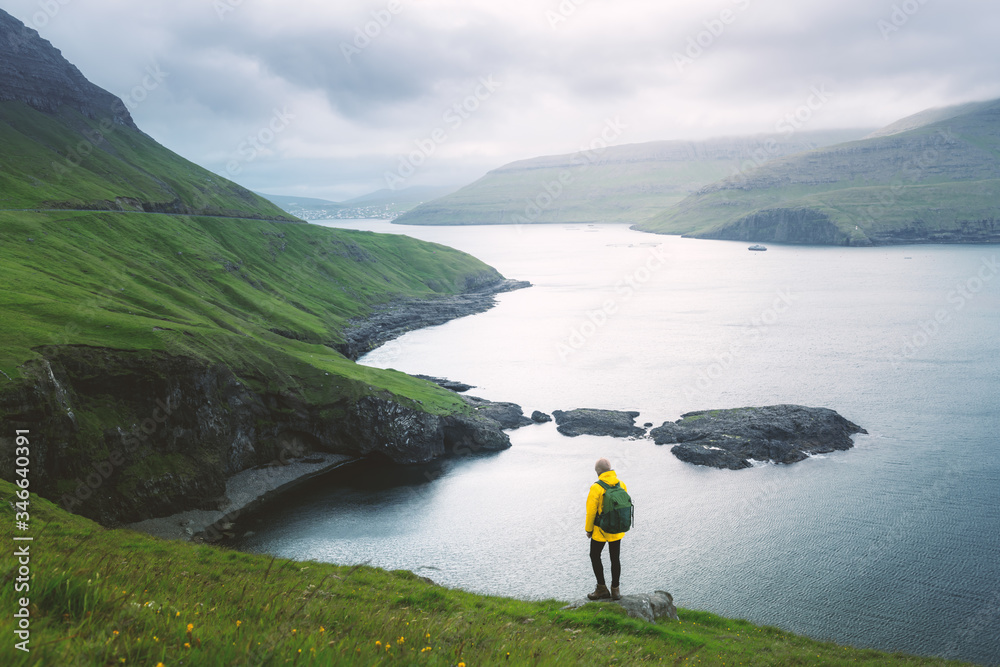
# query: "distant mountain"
{"type": "Point", "coordinates": [382, 204]}
{"type": "Point", "coordinates": [408, 197]}
{"type": "Point", "coordinates": [629, 183]}
{"type": "Point", "coordinates": [933, 177]}
{"type": "Point", "coordinates": [928, 116]}
{"type": "Point", "coordinates": [285, 200]}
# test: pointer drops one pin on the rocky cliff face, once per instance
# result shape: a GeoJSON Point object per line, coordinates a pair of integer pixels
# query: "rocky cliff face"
{"type": "Point", "coordinates": [36, 73]}
{"type": "Point", "coordinates": [784, 225]}
{"type": "Point", "coordinates": [121, 436]}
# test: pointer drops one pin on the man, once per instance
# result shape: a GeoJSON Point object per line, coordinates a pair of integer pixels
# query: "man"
{"type": "Point", "coordinates": [598, 538]}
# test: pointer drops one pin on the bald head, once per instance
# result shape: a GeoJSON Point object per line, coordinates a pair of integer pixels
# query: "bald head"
{"type": "Point", "coordinates": [602, 466]}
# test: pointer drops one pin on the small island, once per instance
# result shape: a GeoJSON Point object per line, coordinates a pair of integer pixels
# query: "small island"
{"type": "Point", "coordinates": [590, 421]}
{"type": "Point", "coordinates": [732, 439]}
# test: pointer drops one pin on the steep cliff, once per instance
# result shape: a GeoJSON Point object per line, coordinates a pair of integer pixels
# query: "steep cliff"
{"type": "Point", "coordinates": [153, 351]}
{"type": "Point", "coordinates": [125, 435]}
{"type": "Point", "coordinates": [34, 72]}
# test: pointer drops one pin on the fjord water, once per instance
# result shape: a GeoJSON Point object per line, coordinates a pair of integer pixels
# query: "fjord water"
{"type": "Point", "coordinates": [893, 544]}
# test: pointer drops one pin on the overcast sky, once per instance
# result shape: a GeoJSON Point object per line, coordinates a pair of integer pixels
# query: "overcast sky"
{"type": "Point", "coordinates": [333, 110]}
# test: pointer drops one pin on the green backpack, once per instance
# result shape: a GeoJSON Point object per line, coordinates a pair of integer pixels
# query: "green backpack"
{"type": "Point", "coordinates": [617, 512]}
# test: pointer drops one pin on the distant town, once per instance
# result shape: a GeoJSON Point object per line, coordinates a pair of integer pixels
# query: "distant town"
{"type": "Point", "coordinates": [381, 212]}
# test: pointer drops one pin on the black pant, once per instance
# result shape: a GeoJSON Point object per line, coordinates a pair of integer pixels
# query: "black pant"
{"type": "Point", "coordinates": [615, 550]}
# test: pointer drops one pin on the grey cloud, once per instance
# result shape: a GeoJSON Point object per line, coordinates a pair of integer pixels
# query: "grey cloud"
{"type": "Point", "coordinates": [227, 75]}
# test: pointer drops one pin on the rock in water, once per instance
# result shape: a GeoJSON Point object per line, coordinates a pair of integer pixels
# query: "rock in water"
{"type": "Point", "coordinates": [457, 387]}
{"type": "Point", "coordinates": [540, 417]}
{"type": "Point", "coordinates": [508, 415]}
{"type": "Point", "coordinates": [587, 421]}
{"type": "Point", "coordinates": [779, 433]}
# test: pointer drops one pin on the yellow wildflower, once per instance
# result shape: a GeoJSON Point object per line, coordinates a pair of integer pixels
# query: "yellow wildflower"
{"type": "Point", "coordinates": [239, 623]}
{"type": "Point", "coordinates": [378, 643]}
{"type": "Point", "coordinates": [187, 644]}
{"type": "Point", "coordinates": [190, 627]}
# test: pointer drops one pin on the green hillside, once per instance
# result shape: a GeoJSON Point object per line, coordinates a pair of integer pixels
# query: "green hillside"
{"type": "Point", "coordinates": [113, 597]}
{"type": "Point", "coordinates": [934, 177]}
{"type": "Point", "coordinates": [629, 183]}
{"type": "Point", "coordinates": [132, 276]}
{"type": "Point", "coordinates": [69, 161]}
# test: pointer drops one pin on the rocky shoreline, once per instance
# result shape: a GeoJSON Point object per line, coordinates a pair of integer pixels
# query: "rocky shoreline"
{"type": "Point", "coordinates": [246, 491]}
{"type": "Point", "coordinates": [727, 439]}
{"type": "Point", "coordinates": [730, 439]}
{"type": "Point", "coordinates": [399, 317]}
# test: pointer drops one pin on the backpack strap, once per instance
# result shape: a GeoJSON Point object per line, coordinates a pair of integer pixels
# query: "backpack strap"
{"type": "Point", "coordinates": [607, 486]}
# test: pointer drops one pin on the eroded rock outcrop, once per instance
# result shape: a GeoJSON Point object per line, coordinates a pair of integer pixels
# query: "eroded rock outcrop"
{"type": "Point", "coordinates": [589, 421]}
{"type": "Point", "coordinates": [122, 436]}
{"type": "Point", "coordinates": [508, 415]}
{"type": "Point", "coordinates": [540, 417]}
{"type": "Point", "coordinates": [777, 433]}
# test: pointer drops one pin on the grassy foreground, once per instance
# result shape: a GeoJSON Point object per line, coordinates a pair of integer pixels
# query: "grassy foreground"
{"type": "Point", "coordinates": [112, 597]}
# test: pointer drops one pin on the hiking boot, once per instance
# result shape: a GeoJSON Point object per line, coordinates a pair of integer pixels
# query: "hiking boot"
{"type": "Point", "coordinates": [600, 593]}
{"type": "Point", "coordinates": [616, 593]}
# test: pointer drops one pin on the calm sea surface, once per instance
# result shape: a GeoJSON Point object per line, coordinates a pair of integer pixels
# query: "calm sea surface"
{"type": "Point", "coordinates": [894, 544]}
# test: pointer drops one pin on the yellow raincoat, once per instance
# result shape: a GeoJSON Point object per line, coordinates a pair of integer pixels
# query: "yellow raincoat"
{"type": "Point", "coordinates": [595, 502]}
